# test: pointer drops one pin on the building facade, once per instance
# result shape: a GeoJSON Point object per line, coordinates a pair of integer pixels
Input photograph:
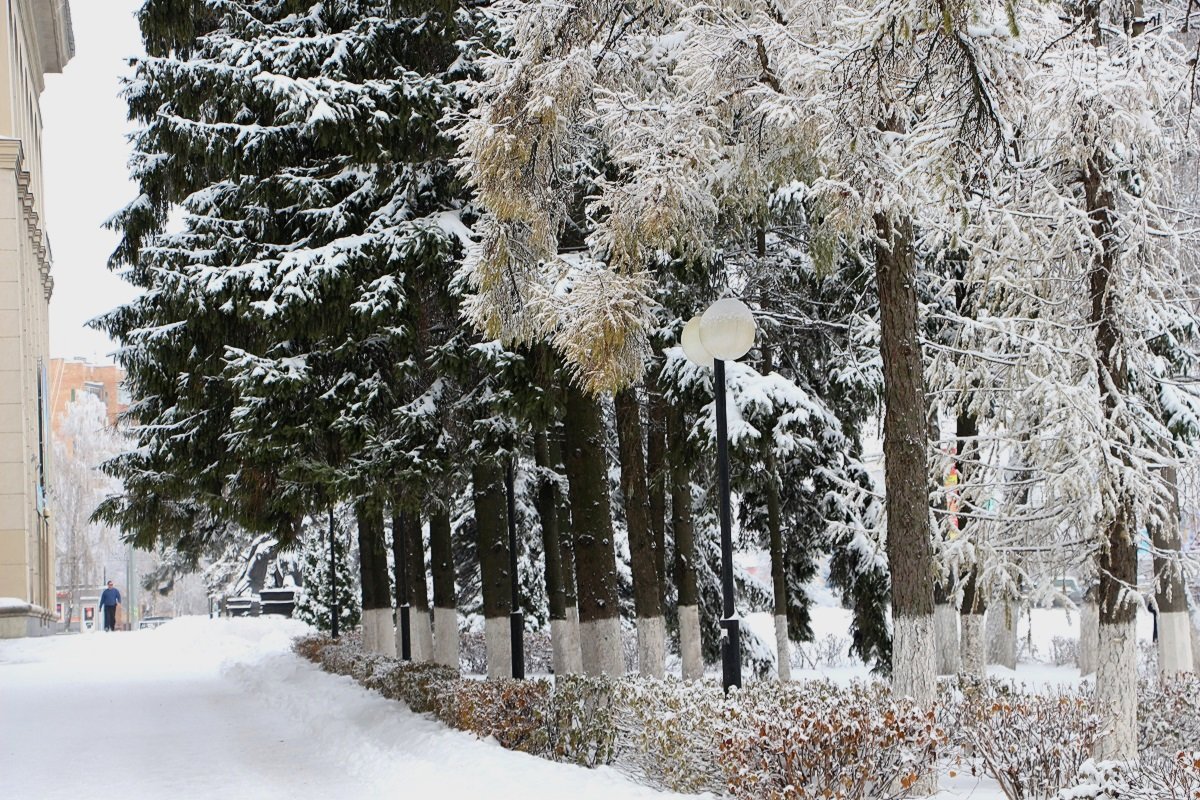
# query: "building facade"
{"type": "Point", "coordinates": [70, 378]}
{"type": "Point", "coordinates": [35, 39]}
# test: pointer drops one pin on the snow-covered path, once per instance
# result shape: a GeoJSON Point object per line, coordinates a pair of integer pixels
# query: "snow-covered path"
{"type": "Point", "coordinates": [222, 709]}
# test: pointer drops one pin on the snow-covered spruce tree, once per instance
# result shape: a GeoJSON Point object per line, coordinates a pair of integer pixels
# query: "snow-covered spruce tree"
{"type": "Point", "coordinates": [316, 600]}
{"type": "Point", "coordinates": [313, 190]}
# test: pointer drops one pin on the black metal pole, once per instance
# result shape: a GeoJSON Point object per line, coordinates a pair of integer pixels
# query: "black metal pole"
{"type": "Point", "coordinates": [517, 617]}
{"type": "Point", "coordinates": [731, 652]}
{"type": "Point", "coordinates": [334, 611]}
{"type": "Point", "coordinates": [400, 534]}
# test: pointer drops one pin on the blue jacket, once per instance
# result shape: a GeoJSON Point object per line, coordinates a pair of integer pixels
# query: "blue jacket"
{"type": "Point", "coordinates": [110, 597]}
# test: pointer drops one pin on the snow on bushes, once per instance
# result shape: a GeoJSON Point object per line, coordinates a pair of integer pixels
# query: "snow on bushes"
{"type": "Point", "coordinates": [1169, 715]}
{"type": "Point", "coordinates": [1031, 744]}
{"type": "Point", "coordinates": [818, 740]}
{"type": "Point", "coordinates": [1151, 778]}
{"type": "Point", "coordinates": [801, 740]}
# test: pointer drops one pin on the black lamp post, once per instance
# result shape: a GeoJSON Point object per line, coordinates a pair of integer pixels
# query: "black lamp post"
{"type": "Point", "coordinates": [517, 617]}
{"type": "Point", "coordinates": [334, 611]}
{"type": "Point", "coordinates": [725, 332]}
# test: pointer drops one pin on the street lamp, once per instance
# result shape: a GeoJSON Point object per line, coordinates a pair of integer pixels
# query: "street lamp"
{"type": "Point", "coordinates": [724, 332]}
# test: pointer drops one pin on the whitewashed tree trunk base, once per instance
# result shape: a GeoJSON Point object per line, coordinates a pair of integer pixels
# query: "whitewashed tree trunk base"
{"type": "Point", "coordinates": [1195, 641]}
{"type": "Point", "coordinates": [1174, 643]}
{"type": "Point", "coordinates": [1089, 637]}
{"type": "Point", "coordinates": [497, 637]}
{"type": "Point", "coordinates": [600, 646]}
{"type": "Point", "coordinates": [572, 649]}
{"type": "Point", "coordinates": [445, 643]}
{"type": "Point", "coordinates": [652, 646]}
{"type": "Point", "coordinates": [1001, 632]}
{"type": "Point", "coordinates": [914, 671]}
{"type": "Point", "coordinates": [973, 657]}
{"type": "Point", "coordinates": [689, 643]}
{"type": "Point", "coordinates": [1116, 693]}
{"type": "Point", "coordinates": [378, 634]}
{"type": "Point", "coordinates": [945, 619]}
{"type": "Point", "coordinates": [783, 649]}
{"type": "Point", "coordinates": [421, 642]}
{"type": "Point", "coordinates": [564, 639]}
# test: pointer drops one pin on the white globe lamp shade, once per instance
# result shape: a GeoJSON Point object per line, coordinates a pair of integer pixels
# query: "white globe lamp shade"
{"type": "Point", "coordinates": [727, 329]}
{"type": "Point", "coordinates": [693, 348]}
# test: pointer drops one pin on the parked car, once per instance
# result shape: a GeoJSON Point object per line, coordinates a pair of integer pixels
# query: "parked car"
{"type": "Point", "coordinates": [1069, 587]}
{"type": "Point", "coordinates": [152, 622]}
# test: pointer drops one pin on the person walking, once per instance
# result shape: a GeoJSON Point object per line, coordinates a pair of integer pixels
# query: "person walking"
{"type": "Point", "coordinates": [110, 598]}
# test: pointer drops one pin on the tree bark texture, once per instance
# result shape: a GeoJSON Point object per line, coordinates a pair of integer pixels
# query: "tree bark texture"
{"type": "Point", "coordinates": [647, 595]}
{"type": "Point", "coordinates": [972, 652]}
{"type": "Point", "coordinates": [778, 561]}
{"type": "Point", "coordinates": [910, 551]}
{"type": "Point", "coordinates": [491, 528]}
{"type": "Point", "coordinates": [445, 598]}
{"type": "Point", "coordinates": [591, 524]}
{"type": "Point", "coordinates": [656, 476]}
{"type": "Point", "coordinates": [1002, 618]}
{"type": "Point", "coordinates": [568, 658]}
{"type": "Point", "coordinates": [690, 644]}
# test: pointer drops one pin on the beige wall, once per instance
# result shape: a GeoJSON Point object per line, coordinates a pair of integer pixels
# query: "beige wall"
{"type": "Point", "coordinates": [34, 37]}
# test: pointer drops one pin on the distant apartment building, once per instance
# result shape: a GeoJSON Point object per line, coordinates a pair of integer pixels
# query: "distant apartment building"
{"type": "Point", "coordinates": [35, 39]}
{"type": "Point", "coordinates": [71, 378]}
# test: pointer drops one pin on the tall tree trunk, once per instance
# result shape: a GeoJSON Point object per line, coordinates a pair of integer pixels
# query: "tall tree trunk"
{"type": "Point", "coordinates": [910, 551]}
{"type": "Point", "coordinates": [1116, 669]}
{"type": "Point", "coordinates": [972, 652]}
{"type": "Point", "coordinates": [491, 527]}
{"type": "Point", "coordinates": [572, 657]}
{"type": "Point", "coordinates": [1170, 589]}
{"type": "Point", "coordinates": [408, 524]}
{"type": "Point", "coordinates": [445, 598]}
{"type": "Point", "coordinates": [775, 537]}
{"type": "Point", "coordinates": [656, 469]}
{"type": "Point", "coordinates": [947, 647]}
{"type": "Point", "coordinates": [690, 646]}
{"type": "Point", "coordinates": [591, 523]}
{"type": "Point", "coordinates": [379, 633]}
{"type": "Point", "coordinates": [647, 594]}
{"type": "Point", "coordinates": [556, 594]}
{"type": "Point", "coordinates": [1002, 620]}
{"type": "Point", "coordinates": [1089, 630]}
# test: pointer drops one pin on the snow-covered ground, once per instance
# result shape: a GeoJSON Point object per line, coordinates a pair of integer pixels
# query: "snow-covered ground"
{"type": "Point", "coordinates": [223, 709]}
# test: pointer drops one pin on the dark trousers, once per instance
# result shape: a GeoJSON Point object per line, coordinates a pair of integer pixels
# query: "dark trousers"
{"type": "Point", "coordinates": [110, 618]}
